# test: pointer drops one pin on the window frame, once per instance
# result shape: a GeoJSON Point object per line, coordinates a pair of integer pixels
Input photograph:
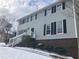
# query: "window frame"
{"type": "Point", "coordinates": [53, 10]}
{"type": "Point", "coordinates": [48, 29]}
{"type": "Point", "coordinates": [63, 5]}
{"type": "Point", "coordinates": [27, 19]}
{"type": "Point", "coordinates": [35, 16]}
{"type": "Point", "coordinates": [58, 30]}
{"type": "Point", "coordinates": [31, 18]}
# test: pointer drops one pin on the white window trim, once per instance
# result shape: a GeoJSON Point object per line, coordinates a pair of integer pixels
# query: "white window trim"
{"type": "Point", "coordinates": [57, 28]}
{"type": "Point", "coordinates": [50, 29]}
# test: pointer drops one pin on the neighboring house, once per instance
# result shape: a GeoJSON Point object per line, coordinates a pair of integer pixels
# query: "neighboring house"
{"type": "Point", "coordinates": [56, 24]}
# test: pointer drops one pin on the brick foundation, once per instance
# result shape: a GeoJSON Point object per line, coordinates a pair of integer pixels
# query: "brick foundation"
{"type": "Point", "coordinates": [70, 44]}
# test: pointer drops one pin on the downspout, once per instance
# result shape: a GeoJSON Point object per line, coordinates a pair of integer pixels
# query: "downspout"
{"type": "Point", "coordinates": [74, 12]}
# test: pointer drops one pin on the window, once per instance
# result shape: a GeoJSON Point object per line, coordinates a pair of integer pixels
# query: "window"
{"type": "Point", "coordinates": [27, 19]}
{"type": "Point", "coordinates": [53, 9]}
{"type": "Point", "coordinates": [22, 21]}
{"type": "Point", "coordinates": [59, 27]}
{"type": "Point", "coordinates": [55, 27]}
{"type": "Point", "coordinates": [36, 17]}
{"type": "Point", "coordinates": [63, 5]}
{"type": "Point", "coordinates": [31, 18]}
{"type": "Point", "coordinates": [48, 29]}
{"type": "Point", "coordinates": [44, 32]}
{"type": "Point", "coordinates": [45, 13]}
{"type": "Point", "coordinates": [59, 7]}
{"type": "Point", "coordinates": [64, 26]}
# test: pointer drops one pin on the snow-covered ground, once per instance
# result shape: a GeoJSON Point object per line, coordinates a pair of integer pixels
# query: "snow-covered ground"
{"type": "Point", "coordinates": [27, 53]}
{"type": "Point", "coordinates": [12, 53]}
{"type": "Point", "coordinates": [44, 53]}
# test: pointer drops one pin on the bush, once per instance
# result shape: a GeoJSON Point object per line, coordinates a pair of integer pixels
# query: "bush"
{"type": "Point", "coordinates": [49, 48]}
{"type": "Point", "coordinates": [45, 47]}
{"type": "Point", "coordinates": [60, 50]}
{"type": "Point", "coordinates": [27, 41]}
{"type": "Point", "coordinates": [6, 41]}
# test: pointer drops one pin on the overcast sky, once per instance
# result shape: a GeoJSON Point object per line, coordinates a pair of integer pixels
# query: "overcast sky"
{"type": "Point", "coordinates": [19, 8]}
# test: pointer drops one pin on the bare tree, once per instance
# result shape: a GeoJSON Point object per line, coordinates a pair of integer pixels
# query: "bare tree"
{"type": "Point", "coordinates": [5, 27]}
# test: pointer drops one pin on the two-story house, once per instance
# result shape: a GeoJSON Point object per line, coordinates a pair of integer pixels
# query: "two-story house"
{"type": "Point", "coordinates": [56, 24]}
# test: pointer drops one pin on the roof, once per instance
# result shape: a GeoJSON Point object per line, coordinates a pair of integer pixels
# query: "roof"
{"type": "Point", "coordinates": [51, 5]}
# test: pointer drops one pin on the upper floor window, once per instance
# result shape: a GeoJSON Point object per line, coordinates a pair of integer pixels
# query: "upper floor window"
{"type": "Point", "coordinates": [28, 19]}
{"type": "Point", "coordinates": [36, 17]}
{"type": "Point", "coordinates": [59, 7]}
{"type": "Point", "coordinates": [45, 13]}
{"type": "Point", "coordinates": [53, 9]}
{"type": "Point", "coordinates": [22, 21]}
{"type": "Point", "coordinates": [63, 5]}
{"type": "Point", "coordinates": [31, 18]}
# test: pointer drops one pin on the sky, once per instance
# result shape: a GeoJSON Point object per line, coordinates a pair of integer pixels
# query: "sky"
{"type": "Point", "coordinates": [14, 9]}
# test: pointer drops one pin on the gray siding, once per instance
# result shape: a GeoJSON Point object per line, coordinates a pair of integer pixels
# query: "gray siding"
{"type": "Point", "coordinates": [59, 15]}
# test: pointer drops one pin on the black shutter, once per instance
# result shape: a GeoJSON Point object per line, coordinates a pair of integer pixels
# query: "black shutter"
{"type": "Point", "coordinates": [45, 13]}
{"type": "Point", "coordinates": [31, 18]}
{"type": "Point", "coordinates": [32, 29]}
{"type": "Point", "coordinates": [36, 17]}
{"type": "Point", "coordinates": [63, 5]}
{"type": "Point", "coordinates": [44, 30]}
{"type": "Point", "coordinates": [52, 29]}
{"type": "Point", "coordinates": [64, 26]}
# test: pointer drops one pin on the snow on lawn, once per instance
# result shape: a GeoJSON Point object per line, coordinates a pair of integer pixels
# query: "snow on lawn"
{"type": "Point", "coordinates": [13, 53]}
{"type": "Point", "coordinates": [44, 53]}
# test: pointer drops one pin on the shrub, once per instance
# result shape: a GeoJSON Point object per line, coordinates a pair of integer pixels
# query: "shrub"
{"type": "Point", "coordinates": [6, 41]}
{"type": "Point", "coordinates": [45, 47]}
{"type": "Point", "coordinates": [48, 48]}
{"type": "Point", "coordinates": [28, 41]}
{"type": "Point", "coordinates": [60, 50]}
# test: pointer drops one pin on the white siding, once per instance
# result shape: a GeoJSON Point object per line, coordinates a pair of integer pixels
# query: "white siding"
{"type": "Point", "coordinates": [77, 15]}
{"type": "Point", "coordinates": [59, 15]}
